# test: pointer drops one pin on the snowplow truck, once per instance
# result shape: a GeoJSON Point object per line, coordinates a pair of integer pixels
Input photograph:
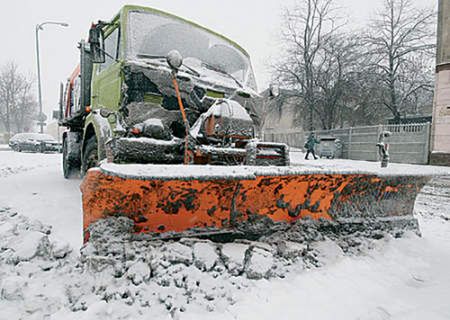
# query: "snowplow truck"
{"type": "Point", "coordinates": [154, 88]}
{"type": "Point", "coordinates": [161, 116]}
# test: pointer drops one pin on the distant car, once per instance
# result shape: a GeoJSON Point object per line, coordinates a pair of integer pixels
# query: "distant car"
{"type": "Point", "coordinates": [34, 142]}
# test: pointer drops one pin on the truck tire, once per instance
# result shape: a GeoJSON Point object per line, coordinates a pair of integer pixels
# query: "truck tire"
{"type": "Point", "coordinates": [90, 155]}
{"type": "Point", "coordinates": [70, 169]}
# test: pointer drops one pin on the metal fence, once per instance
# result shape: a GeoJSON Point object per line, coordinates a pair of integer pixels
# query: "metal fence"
{"type": "Point", "coordinates": [409, 143]}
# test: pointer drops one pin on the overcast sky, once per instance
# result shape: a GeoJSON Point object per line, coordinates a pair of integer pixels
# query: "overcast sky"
{"type": "Point", "coordinates": [254, 24]}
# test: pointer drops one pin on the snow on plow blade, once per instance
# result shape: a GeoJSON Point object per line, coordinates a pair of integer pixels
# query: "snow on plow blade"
{"type": "Point", "coordinates": [163, 198]}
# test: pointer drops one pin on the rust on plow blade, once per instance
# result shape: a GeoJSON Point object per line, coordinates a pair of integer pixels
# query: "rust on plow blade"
{"type": "Point", "coordinates": [177, 205]}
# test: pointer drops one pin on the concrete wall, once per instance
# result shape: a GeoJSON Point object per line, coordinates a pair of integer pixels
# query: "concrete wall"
{"type": "Point", "coordinates": [408, 143]}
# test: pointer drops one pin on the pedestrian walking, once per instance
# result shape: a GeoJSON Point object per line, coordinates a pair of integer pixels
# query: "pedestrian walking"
{"type": "Point", "coordinates": [310, 144]}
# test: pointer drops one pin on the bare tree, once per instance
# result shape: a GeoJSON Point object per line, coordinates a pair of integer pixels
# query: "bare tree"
{"type": "Point", "coordinates": [400, 36]}
{"type": "Point", "coordinates": [338, 64]}
{"type": "Point", "coordinates": [309, 26]}
{"type": "Point", "coordinates": [17, 104]}
{"type": "Point", "coordinates": [24, 111]}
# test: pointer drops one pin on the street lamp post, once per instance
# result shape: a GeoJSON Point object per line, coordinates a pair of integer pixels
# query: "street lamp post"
{"type": "Point", "coordinates": [40, 27]}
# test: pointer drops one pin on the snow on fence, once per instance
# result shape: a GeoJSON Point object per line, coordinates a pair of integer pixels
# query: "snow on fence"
{"type": "Point", "coordinates": [409, 143]}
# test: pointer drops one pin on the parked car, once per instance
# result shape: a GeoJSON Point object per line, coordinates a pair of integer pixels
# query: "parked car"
{"type": "Point", "coordinates": [34, 142]}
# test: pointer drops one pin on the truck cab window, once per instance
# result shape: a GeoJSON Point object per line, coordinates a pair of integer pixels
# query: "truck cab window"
{"type": "Point", "coordinates": [111, 48]}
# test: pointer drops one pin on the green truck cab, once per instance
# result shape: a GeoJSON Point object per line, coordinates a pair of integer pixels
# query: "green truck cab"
{"type": "Point", "coordinates": [120, 103]}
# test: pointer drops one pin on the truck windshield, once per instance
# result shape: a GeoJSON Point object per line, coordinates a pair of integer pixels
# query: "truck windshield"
{"type": "Point", "coordinates": [153, 34]}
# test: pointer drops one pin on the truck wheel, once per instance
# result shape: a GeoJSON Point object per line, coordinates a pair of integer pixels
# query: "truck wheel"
{"type": "Point", "coordinates": [90, 155]}
{"type": "Point", "coordinates": [70, 170]}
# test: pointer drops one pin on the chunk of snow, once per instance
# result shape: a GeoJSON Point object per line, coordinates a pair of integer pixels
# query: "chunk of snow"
{"type": "Point", "coordinates": [11, 287]}
{"type": "Point", "coordinates": [205, 256]}
{"type": "Point", "coordinates": [178, 253]}
{"type": "Point", "coordinates": [292, 250]}
{"type": "Point", "coordinates": [259, 264]}
{"type": "Point", "coordinates": [328, 251]}
{"type": "Point", "coordinates": [234, 256]}
{"type": "Point", "coordinates": [139, 272]}
{"type": "Point", "coordinates": [60, 248]}
{"type": "Point", "coordinates": [27, 246]}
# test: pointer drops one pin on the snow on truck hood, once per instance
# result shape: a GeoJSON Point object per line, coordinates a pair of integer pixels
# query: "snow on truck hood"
{"type": "Point", "coordinates": [208, 172]}
{"type": "Point", "coordinates": [228, 109]}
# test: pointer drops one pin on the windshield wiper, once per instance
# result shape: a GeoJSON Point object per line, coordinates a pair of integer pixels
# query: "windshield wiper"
{"type": "Point", "coordinates": [214, 68]}
{"type": "Point", "coordinates": [149, 56]}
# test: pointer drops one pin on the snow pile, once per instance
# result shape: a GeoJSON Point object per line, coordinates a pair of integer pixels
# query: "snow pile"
{"type": "Point", "coordinates": [116, 276]}
{"type": "Point", "coordinates": [30, 261]}
{"type": "Point", "coordinates": [187, 274]}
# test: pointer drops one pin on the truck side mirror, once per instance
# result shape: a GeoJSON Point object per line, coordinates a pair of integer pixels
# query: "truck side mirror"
{"type": "Point", "coordinates": [96, 43]}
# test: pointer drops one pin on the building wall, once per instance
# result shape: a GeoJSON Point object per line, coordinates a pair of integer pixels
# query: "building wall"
{"type": "Point", "coordinates": [282, 112]}
{"type": "Point", "coordinates": [443, 33]}
{"type": "Point", "coordinates": [440, 154]}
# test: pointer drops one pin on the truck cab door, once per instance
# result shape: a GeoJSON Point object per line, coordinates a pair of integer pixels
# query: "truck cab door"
{"type": "Point", "coordinates": [106, 79]}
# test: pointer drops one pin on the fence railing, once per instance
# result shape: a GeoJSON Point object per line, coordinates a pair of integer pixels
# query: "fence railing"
{"type": "Point", "coordinates": [409, 143]}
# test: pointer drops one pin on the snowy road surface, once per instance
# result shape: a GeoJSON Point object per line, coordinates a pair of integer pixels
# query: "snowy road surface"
{"type": "Point", "coordinates": [406, 278]}
{"type": "Point", "coordinates": [33, 185]}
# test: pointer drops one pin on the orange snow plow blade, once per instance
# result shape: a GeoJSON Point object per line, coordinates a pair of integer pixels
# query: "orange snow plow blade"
{"type": "Point", "coordinates": [159, 204]}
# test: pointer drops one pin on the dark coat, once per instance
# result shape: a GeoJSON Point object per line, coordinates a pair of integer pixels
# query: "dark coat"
{"type": "Point", "coordinates": [311, 142]}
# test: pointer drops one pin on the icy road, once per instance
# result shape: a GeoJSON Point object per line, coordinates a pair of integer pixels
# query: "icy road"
{"type": "Point", "coordinates": [406, 278]}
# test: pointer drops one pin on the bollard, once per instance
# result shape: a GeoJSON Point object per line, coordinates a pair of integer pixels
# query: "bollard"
{"type": "Point", "coordinates": [383, 148]}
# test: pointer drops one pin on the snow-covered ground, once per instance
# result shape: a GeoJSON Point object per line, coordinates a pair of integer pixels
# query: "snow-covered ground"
{"type": "Point", "coordinates": [32, 184]}
{"type": "Point", "coordinates": [40, 278]}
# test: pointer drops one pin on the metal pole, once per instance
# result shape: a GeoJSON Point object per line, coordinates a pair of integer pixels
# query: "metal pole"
{"type": "Point", "coordinates": [39, 27]}
{"type": "Point", "coordinates": [39, 79]}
